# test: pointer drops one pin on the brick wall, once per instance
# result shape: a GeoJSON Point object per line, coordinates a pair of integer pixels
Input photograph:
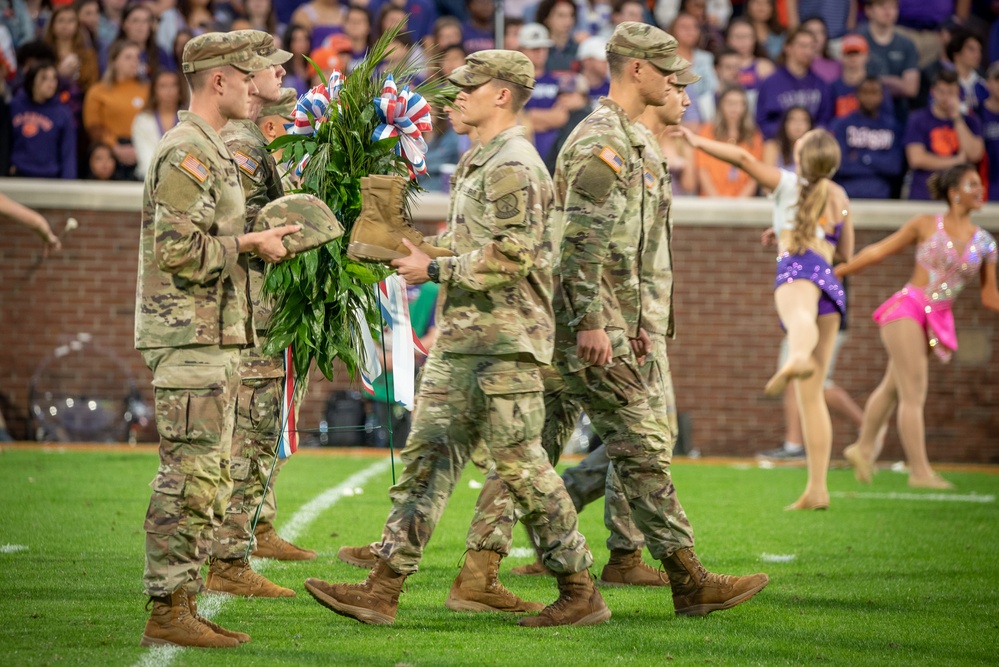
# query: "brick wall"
{"type": "Point", "coordinates": [725, 350]}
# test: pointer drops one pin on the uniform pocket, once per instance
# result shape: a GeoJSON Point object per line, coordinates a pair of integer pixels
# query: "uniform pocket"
{"type": "Point", "coordinates": [514, 405]}
{"type": "Point", "coordinates": [166, 504]}
{"type": "Point", "coordinates": [190, 402]}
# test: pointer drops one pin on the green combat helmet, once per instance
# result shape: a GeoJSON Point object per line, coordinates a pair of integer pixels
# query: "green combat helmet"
{"type": "Point", "coordinates": [319, 225]}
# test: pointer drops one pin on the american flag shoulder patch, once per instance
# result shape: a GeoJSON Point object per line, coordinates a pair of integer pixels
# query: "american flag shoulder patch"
{"type": "Point", "coordinates": [613, 160]}
{"type": "Point", "coordinates": [246, 163]}
{"type": "Point", "coordinates": [650, 180]}
{"type": "Point", "coordinates": [194, 167]}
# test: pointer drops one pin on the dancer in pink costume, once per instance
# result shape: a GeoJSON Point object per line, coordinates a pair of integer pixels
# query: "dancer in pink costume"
{"type": "Point", "coordinates": [951, 252]}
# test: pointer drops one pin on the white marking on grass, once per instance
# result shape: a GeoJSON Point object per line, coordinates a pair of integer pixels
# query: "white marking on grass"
{"type": "Point", "coordinates": [211, 606]}
{"type": "Point", "coordinates": [474, 484]}
{"type": "Point", "coordinates": [935, 497]}
{"type": "Point", "coordinates": [776, 558]}
{"type": "Point", "coordinates": [12, 548]}
{"type": "Point", "coordinates": [522, 552]}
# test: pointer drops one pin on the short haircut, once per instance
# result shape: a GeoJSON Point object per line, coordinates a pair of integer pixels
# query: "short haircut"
{"type": "Point", "coordinates": [958, 39]}
{"type": "Point", "coordinates": [519, 95]}
{"type": "Point", "coordinates": [616, 64]}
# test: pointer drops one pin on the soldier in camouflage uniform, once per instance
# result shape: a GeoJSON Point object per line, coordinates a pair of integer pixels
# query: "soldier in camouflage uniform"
{"type": "Point", "coordinates": [482, 382]}
{"type": "Point", "coordinates": [606, 205]}
{"type": "Point", "coordinates": [192, 318]}
{"type": "Point", "coordinates": [258, 412]}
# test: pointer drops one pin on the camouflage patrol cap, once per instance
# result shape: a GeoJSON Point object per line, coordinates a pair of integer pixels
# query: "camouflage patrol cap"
{"type": "Point", "coordinates": [482, 66]}
{"type": "Point", "coordinates": [284, 106]}
{"type": "Point", "coordinates": [319, 225]}
{"type": "Point", "coordinates": [218, 49]}
{"type": "Point", "coordinates": [686, 77]}
{"type": "Point", "coordinates": [646, 42]}
{"type": "Point", "coordinates": [263, 45]}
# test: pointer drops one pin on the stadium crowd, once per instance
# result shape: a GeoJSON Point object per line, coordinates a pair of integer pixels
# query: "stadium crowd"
{"type": "Point", "coordinates": [907, 86]}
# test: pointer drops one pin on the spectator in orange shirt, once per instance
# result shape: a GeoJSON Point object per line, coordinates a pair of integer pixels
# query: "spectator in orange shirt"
{"type": "Point", "coordinates": [733, 124]}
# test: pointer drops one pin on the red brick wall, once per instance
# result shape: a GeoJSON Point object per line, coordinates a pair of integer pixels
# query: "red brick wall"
{"type": "Point", "coordinates": [725, 350]}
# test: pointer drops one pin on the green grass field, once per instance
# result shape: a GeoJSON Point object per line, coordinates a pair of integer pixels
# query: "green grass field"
{"type": "Point", "coordinates": [885, 580]}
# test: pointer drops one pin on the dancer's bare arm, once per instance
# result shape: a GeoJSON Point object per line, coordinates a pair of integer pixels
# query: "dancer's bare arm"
{"type": "Point", "coordinates": [910, 233]}
{"type": "Point", "coordinates": [990, 293]}
{"type": "Point", "coordinates": [766, 175]}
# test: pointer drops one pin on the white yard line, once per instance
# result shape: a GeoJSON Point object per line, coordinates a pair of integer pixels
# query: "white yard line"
{"type": "Point", "coordinates": [934, 497]}
{"type": "Point", "coordinates": [211, 606]}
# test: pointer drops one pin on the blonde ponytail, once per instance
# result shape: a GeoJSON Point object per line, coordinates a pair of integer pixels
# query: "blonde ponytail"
{"type": "Point", "coordinates": [818, 160]}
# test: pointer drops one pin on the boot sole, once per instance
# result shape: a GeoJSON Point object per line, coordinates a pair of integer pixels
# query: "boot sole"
{"type": "Point", "coordinates": [357, 613]}
{"type": "Point", "coordinates": [366, 252]}
{"type": "Point", "coordinates": [468, 605]}
{"type": "Point", "coordinates": [285, 559]}
{"type": "Point", "coordinates": [705, 609]}
{"type": "Point", "coordinates": [152, 642]}
{"type": "Point", "coordinates": [249, 595]}
{"type": "Point", "coordinates": [614, 584]}
{"type": "Point", "coordinates": [357, 562]}
{"type": "Point", "coordinates": [596, 618]}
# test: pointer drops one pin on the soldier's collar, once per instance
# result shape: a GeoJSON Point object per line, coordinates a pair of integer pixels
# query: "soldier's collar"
{"type": "Point", "coordinates": [208, 131]}
{"type": "Point", "coordinates": [626, 122]}
{"type": "Point", "coordinates": [487, 151]}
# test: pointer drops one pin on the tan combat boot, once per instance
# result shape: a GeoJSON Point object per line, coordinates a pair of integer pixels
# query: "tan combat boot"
{"type": "Point", "coordinates": [697, 592]}
{"type": "Point", "coordinates": [241, 637]}
{"type": "Point", "coordinates": [358, 556]}
{"type": "Point", "coordinates": [579, 603]}
{"type": "Point", "coordinates": [478, 587]}
{"type": "Point", "coordinates": [171, 624]}
{"type": "Point", "coordinates": [535, 569]}
{"type": "Point", "coordinates": [378, 232]}
{"type": "Point", "coordinates": [626, 568]}
{"type": "Point", "coordinates": [272, 545]}
{"type": "Point", "coordinates": [373, 601]}
{"type": "Point", "coordinates": [235, 577]}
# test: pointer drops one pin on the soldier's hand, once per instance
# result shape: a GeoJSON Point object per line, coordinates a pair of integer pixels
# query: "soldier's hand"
{"type": "Point", "coordinates": [267, 244]}
{"type": "Point", "coordinates": [641, 346]}
{"type": "Point", "coordinates": [413, 267]}
{"type": "Point", "coordinates": [594, 347]}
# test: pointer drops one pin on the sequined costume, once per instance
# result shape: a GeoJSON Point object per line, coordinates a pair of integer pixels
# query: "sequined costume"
{"type": "Point", "coordinates": [808, 265]}
{"type": "Point", "coordinates": [949, 272]}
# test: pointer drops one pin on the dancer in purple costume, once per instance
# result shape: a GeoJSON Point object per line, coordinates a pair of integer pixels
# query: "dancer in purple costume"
{"type": "Point", "coordinates": [812, 224]}
{"type": "Point", "coordinates": [951, 252]}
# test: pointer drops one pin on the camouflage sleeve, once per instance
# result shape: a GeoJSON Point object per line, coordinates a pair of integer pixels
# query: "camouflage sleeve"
{"type": "Point", "coordinates": [510, 200]}
{"type": "Point", "coordinates": [185, 212]}
{"type": "Point", "coordinates": [595, 200]}
{"type": "Point", "coordinates": [259, 178]}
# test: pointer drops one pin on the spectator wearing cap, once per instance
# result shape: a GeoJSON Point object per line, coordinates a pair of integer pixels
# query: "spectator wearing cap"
{"type": "Point", "coordinates": [989, 112]}
{"type": "Point", "coordinates": [793, 84]}
{"type": "Point", "coordinates": [478, 30]}
{"type": "Point", "coordinates": [559, 17]}
{"type": "Point", "coordinates": [940, 136]}
{"type": "Point", "coordinates": [592, 56]}
{"type": "Point", "coordinates": [871, 146]}
{"type": "Point", "coordinates": [44, 134]}
{"type": "Point", "coordinates": [546, 116]}
{"type": "Point", "coordinates": [892, 55]}
{"type": "Point", "coordinates": [856, 68]}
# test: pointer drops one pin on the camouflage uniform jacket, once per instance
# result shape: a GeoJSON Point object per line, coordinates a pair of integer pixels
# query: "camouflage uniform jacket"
{"type": "Point", "coordinates": [601, 197]}
{"type": "Point", "coordinates": [657, 258]}
{"type": "Point", "coordinates": [261, 182]}
{"type": "Point", "coordinates": [192, 286]}
{"type": "Point", "coordinates": [495, 294]}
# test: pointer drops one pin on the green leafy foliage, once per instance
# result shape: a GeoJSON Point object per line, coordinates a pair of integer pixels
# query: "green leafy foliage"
{"type": "Point", "coordinates": [321, 296]}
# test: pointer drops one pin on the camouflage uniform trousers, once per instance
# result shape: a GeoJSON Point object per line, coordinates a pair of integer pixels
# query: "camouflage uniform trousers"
{"type": "Point", "coordinates": [492, 524]}
{"type": "Point", "coordinates": [630, 408]}
{"type": "Point", "coordinates": [493, 404]}
{"type": "Point", "coordinates": [258, 417]}
{"type": "Point", "coordinates": [196, 389]}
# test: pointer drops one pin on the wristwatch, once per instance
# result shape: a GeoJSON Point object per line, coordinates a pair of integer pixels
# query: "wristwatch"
{"type": "Point", "coordinates": [434, 271]}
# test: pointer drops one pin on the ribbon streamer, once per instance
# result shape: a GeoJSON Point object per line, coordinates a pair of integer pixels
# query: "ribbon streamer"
{"type": "Point", "coordinates": [372, 367]}
{"type": "Point", "coordinates": [405, 342]}
{"type": "Point", "coordinates": [288, 442]}
{"type": "Point", "coordinates": [406, 115]}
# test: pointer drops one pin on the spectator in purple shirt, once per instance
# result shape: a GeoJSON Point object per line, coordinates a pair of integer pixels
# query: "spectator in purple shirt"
{"type": "Point", "coordinates": [545, 115]}
{"type": "Point", "coordinates": [940, 136]}
{"type": "Point", "coordinates": [990, 130]}
{"type": "Point", "coordinates": [478, 31]}
{"type": "Point", "coordinates": [793, 85]}
{"type": "Point", "coordinates": [44, 136]}
{"type": "Point", "coordinates": [872, 163]}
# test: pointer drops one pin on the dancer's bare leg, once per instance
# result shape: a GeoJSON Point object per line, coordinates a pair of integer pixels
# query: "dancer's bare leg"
{"type": "Point", "coordinates": [792, 420]}
{"type": "Point", "coordinates": [815, 422]}
{"type": "Point", "coordinates": [905, 341]}
{"type": "Point", "coordinates": [797, 306]}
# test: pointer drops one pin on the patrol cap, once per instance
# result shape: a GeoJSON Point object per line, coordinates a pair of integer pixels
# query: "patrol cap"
{"type": "Point", "coordinates": [319, 225]}
{"type": "Point", "coordinates": [284, 106]}
{"type": "Point", "coordinates": [483, 66]}
{"type": "Point", "coordinates": [263, 45]}
{"type": "Point", "coordinates": [646, 42]}
{"type": "Point", "coordinates": [686, 77]}
{"type": "Point", "coordinates": [218, 49]}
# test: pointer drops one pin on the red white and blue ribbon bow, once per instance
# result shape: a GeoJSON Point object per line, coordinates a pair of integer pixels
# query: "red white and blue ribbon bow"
{"type": "Point", "coordinates": [406, 115]}
{"type": "Point", "coordinates": [316, 106]}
